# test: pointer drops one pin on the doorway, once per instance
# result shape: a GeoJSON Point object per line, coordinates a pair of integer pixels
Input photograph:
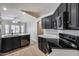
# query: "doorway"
{"type": "Point", "coordinates": [40, 30]}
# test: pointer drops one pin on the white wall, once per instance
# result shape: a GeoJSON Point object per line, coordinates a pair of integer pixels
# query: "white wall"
{"type": "Point", "coordinates": [31, 26]}
{"type": "Point", "coordinates": [32, 29]}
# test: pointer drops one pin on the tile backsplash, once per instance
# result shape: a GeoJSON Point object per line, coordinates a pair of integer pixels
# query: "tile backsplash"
{"type": "Point", "coordinates": [56, 32]}
{"type": "Point", "coordinates": [51, 31]}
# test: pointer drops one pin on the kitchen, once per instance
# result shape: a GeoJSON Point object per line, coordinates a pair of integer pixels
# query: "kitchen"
{"type": "Point", "coordinates": [51, 30]}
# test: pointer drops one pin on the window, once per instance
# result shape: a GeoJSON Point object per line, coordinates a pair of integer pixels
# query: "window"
{"type": "Point", "coordinates": [13, 29]}
{"type": "Point", "coordinates": [17, 28]}
{"type": "Point", "coordinates": [22, 28]}
{"type": "Point", "coordinates": [6, 29]}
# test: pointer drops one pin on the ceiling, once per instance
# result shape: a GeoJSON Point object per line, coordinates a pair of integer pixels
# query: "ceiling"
{"type": "Point", "coordinates": [37, 8]}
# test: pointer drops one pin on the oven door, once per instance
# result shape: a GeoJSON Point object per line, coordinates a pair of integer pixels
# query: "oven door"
{"type": "Point", "coordinates": [66, 44]}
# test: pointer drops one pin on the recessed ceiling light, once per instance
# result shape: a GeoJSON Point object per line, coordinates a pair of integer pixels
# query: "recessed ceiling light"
{"type": "Point", "coordinates": [23, 13]}
{"type": "Point", "coordinates": [4, 8]}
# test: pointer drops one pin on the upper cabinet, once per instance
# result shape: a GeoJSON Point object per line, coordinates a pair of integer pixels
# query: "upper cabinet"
{"type": "Point", "coordinates": [54, 22]}
{"type": "Point", "coordinates": [73, 9]}
{"type": "Point", "coordinates": [46, 22]}
{"type": "Point", "coordinates": [65, 17]}
{"type": "Point", "coordinates": [62, 7]}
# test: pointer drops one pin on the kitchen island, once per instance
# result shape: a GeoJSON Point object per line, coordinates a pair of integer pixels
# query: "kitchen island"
{"type": "Point", "coordinates": [10, 42]}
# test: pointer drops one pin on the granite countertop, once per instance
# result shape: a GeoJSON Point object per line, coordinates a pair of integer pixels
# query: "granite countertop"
{"type": "Point", "coordinates": [14, 35]}
{"type": "Point", "coordinates": [49, 36]}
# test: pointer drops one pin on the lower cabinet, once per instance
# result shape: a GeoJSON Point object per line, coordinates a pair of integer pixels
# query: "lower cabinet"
{"type": "Point", "coordinates": [16, 42]}
{"type": "Point", "coordinates": [25, 40]}
{"type": "Point", "coordinates": [7, 44]}
{"type": "Point", "coordinates": [10, 43]}
{"type": "Point", "coordinates": [43, 45]}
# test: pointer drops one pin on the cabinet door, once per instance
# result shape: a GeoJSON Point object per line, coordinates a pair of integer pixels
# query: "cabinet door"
{"type": "Point", "coordinates": [7, 44]}
{"type": "Point", "coordinates": [45, 46]}
{"type": "Point", "coordinates": [69, 14]}
{"type": "Point", "coordinates": [25, 40]}
{"type": "Point", "coordinates": [43, 23]}
{"type": "Point", "coordinates": [28, 39]}
{"type": "Point", "coordinates": [48, 22]}
{"type": "Point", "coordinates": [39, 43]}
{"type": "Point", "coordinates": [16, 42]}
{"type": "Point", "coordinates": [54, 21]}
{"type": "Point", "coordinates": [42, 45]}
{"type": "Point", "coordinates": [53, 24]}
{"type": "Point", "coordinates": [62, 8]}
{"type": "Point", "coordinates": [73, 18]}
{"type": "Point", "coordinates": [73, 14]}
{"type": "Point", "coordinates": [59, 8]}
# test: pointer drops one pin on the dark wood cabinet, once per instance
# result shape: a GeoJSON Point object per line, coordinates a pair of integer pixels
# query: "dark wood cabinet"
{"type": "Point", "coordinates": [16, 42]}
{"type": "Point", "coordinates": [50, 22]}
{"type": "Point", "coordinates": [46, 44]}
{"type": "Point", "coordinates": [71, 22]}
{"type": "Point", "coordinates": [62, 7]}
{"type": "Point", "coordinates": [54, 21]}
{"type": "Point", "coordinates": [7, 44]}
{"type": "Point", "coordinates": [25, 40]}
{"type": "Point", "coordinates": [10, 43]}
{"type": "Point", "coordinates": [43, 21]}
{"type": "Point", "coordinates": [73, 9]}
{"type": "Point", "coordinates": [43, 45]}
{"type": "Point", "coordinates": [46, 22]}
